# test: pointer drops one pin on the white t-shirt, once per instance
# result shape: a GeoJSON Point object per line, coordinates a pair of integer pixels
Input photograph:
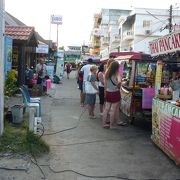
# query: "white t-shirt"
{"type": "Point", "coordinates": [86, 70]}
{"type": "Point", "coordinates": [40, 67]}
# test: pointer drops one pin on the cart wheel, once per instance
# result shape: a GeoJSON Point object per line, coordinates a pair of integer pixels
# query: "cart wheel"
{"type": "Point", "coordinates": [132, 119]}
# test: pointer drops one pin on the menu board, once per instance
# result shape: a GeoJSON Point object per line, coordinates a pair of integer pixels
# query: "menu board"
{"type": "Point", "coordinates": [166, 128]}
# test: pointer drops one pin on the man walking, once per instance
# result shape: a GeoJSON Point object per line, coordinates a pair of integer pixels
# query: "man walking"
{"type": "Point", "coordinates": [68, 69]}
{"type": "Point", "coordinates": [86, 71]}
{"type": "Point", "coordinates": [41, 71]}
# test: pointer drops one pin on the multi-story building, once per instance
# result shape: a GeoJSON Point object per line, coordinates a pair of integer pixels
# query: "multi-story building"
{"type": "Point", "coordinates": [132, 30]}
{"type": "Point", "coordinates": [109, 29]}
{"type": "Point", "coordinates": [142, 26]}
{"type": "Point", "coordinates": [96, 36]}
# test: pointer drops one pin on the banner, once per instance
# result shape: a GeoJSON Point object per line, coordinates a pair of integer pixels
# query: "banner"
{"type": "Point", "coordinates": [166, 44]}
{"type": "Point", "coordinates": [7, 54]}
{"type": "Point", "coordinates": [166, 128]}
{"type": "Point", "coordinates": [60, 67]}
{"type": "Point", "coordinates": [158, 77]}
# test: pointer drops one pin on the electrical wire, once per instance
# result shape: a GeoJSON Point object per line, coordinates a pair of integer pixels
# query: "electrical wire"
{"type": "Point", "coordinates": [39, 167]}
{"type": "Point", "coordinates": [100, 140]}
{"type": "Point", "coordinates": [41, 129]}
{"type": "Point", "coordinates": [89, 176]}
{"type": "Point", "coordinates": [68, 129]}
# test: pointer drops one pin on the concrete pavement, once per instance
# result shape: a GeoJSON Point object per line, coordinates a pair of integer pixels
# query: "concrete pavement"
{"type": "Point", "coordinates": [89, 149]}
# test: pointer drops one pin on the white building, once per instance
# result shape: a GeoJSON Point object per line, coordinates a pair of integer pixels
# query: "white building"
{"type": "Point", "coordinates": [142, 26]}
{"type": "Point", "coordinates": [109, 28]}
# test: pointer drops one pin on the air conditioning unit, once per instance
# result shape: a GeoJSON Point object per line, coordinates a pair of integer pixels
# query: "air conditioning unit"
{"type": "Point", "coordinates": [148, 32]}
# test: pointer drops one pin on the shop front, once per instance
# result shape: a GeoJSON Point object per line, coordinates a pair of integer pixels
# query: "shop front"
{"type": "Point", "coordinates": [137, 71]}
{"type": "Point", "coordinates": [24, 48]}
{"type": "Point", "coordinates": [166, 104]}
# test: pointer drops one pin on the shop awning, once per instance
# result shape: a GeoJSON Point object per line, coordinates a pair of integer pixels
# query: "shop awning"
{"type": "Point", "coordinates": [124, 57]}
{"type": "Point", "coordinates": [22, 34]}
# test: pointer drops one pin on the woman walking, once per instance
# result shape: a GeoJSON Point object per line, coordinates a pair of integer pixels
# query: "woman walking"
{"type": "Point", "coordinates": [100, 77]}
{"type": "Point", "coordinates": [91, 91]}
{"type": "Point", "coordinates": [112, 86]}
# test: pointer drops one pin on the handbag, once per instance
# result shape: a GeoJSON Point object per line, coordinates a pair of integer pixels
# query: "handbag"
{"type": "Point", "coordinates": [89, 89]}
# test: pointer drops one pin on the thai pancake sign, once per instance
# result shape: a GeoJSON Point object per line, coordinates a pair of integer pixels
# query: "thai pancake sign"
{"type": "Point", "coordinates": [166, 44]}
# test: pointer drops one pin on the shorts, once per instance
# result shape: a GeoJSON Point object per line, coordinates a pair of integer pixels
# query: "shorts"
{"type": "Point", "coordinates": [84, 87]}
{"type": "Point", "coordinates": [101, 95]}
{"type": "Point", "coordinates": [113, 97]}
{"type": "Point", "coordinates": [90, 99]}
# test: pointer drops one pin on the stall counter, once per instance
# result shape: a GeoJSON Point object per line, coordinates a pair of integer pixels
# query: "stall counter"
{"type": "Point", "coordinates": [166, 128]}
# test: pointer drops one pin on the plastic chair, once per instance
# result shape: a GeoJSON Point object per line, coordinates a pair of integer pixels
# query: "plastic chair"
{"type": "Point", "coordinates": [27, 103]}
{"type": "Point", "coordinates": [25, 89]}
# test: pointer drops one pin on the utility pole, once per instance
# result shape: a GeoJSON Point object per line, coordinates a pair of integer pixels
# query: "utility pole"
{"type": "Point", "coordinates": [170, 18]}
{"type": "Point", "coordinates": [57, 36]}
{"type": "Point", "coordinates": [2, 27]}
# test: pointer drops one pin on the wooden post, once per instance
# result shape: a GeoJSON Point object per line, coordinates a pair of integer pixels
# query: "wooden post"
{"type": "Point", "coordinates": [21, 65]}
{"type": "Point", "coordinates": [2, 26]}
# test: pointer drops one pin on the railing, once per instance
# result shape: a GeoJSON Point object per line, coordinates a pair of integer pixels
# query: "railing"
{"type": "Point", "coordinates": [128, 35]}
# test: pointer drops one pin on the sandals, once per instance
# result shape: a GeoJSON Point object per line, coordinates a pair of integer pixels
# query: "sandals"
{"type": "Point", "coordinates": [122, 124]}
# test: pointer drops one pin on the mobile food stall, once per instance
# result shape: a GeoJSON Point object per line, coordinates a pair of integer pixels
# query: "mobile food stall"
{"type": "Point", "coordinates": [137, 71]}
{"type": "Point", "coordinates": [166, 103]}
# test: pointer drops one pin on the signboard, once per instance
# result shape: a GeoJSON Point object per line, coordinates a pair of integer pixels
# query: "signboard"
{"type": "Point", "coordinates": [7, 54]}
{"type": "Point", "coordinates": [166, 128]}
{"type": "Point", "coordinates": [85, 49]}
{"type": "Point", "coordinates": [158, 77]}
{"type": "Point", "coordinates": [42, 49]}
{"type": "Point", "coordinates": [126, 98]}
{"type": "Point", "coordinates": [166, 44]}
{"type": "Point", "coordinates": [104, 54]}
{"type": "Point", "coordinates": [50, 71]}
{"type": "Point", "coordinates": [56, 19]}
{"type": "Point", "coordinates": [60, 67]}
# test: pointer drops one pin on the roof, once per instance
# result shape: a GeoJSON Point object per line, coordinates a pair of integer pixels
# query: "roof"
{"type": "Point", "coordinates": [19, 32]}
{"type": "Point", "coordinates": [11, 20]}
{"type": "Point", "coordinates": [130, 19]}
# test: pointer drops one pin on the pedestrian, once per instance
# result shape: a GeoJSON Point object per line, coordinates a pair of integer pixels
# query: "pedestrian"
{"type": "Point", "coordinates": [41, 71]}
{"type": "Point", "coordinates": [100, 78]}
{"type": "Point", "coordinates": [92, 91]}
{"type": "Point", "coordinates": [80, 84]}
{"type": "Point", "coordinates": [68, 69]}
{"type": "Point", "coordinates": [86, 71]}
{"type": "Point", "coordinates": [112, 95]}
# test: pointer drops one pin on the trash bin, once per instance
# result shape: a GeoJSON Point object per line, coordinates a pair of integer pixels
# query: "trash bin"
{"type": "Point", "coordinates": [17, 113]}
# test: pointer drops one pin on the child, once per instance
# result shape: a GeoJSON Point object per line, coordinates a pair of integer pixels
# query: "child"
{"type": "Point", "coordinates": [91, 98]}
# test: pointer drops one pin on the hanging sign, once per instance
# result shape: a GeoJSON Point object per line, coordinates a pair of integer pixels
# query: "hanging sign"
{"type": "Point", "coordinates": [166, 44]}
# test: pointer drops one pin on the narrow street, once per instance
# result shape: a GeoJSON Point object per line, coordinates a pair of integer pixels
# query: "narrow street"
{"type": "Point", "coordinates": [89, 149]}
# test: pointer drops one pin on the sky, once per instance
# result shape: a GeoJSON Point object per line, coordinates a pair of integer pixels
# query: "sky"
{"type": "Point", "coordinates": [77, 15]}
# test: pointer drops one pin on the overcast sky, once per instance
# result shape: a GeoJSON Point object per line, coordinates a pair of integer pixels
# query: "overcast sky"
{"type": "Point", "coordinates": [77, 15]}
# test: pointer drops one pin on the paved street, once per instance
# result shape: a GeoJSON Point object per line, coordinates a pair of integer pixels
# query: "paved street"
{"type": "Point", "coordinates": [91, 150]}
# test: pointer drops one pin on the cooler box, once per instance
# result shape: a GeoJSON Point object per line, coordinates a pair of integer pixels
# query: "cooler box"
{"type": "Point", "coordinates": [48, 84]}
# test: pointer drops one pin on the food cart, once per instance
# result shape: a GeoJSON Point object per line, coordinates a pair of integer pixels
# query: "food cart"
{"type": "Point", "coordinates": [137, 71]}
{"type": "Point", "coordinates": [166, 103]}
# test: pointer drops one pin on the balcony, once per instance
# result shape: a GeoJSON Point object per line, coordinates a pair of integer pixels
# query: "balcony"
{"type": "Point", "coordinates": [128, 35]}
{"type": "Point", "coordinates": [116, 39]}
{"type": "Point", "coordinates": [105, 41]}
{"type": "Point", "coordinates": [97, 44]}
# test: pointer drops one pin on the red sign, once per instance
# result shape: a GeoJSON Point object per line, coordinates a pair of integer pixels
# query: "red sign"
{"type": "Point", "coordinates": [166, 44]}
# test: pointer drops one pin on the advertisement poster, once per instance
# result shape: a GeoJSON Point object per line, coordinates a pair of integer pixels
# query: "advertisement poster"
{"type": "Point", "coordinates": [166, 128]}
{"type": "Point", "coordinates": [60, 67]}
{"type": "Point", "coordinates": [126, 98]}
{"type": "Point", "coordinates": [158, 77]}
{"type": "Point", "coordinates": [8, 55]}
{"type": "Point", "coordinates": [50, 71]}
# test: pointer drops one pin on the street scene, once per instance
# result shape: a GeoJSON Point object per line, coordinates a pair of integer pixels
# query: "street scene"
{"type": "Point", "coordinates": [89, 90]}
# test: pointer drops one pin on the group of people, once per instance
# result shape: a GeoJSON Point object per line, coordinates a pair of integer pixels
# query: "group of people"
{"type": "Point", "coordinates": [104, 81]}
